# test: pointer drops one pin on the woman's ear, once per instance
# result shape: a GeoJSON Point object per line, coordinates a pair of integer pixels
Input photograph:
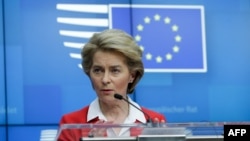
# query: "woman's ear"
{"type": "Point", "coordinates": [132, 78]}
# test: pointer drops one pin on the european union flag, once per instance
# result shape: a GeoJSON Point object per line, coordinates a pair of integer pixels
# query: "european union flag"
{"type": "Point", "coordinates": [172, 37]}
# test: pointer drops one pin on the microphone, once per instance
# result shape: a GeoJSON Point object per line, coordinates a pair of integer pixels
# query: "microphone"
{"type": "Point", "coordinates": [120, 97]}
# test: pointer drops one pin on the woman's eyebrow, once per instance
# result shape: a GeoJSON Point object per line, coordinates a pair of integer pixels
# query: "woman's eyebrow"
{"type": "Point", "coordinates": [115, 65]}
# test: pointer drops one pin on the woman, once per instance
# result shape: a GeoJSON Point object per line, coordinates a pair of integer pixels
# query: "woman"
{"type": "Point", "coordinates": [113, 62]}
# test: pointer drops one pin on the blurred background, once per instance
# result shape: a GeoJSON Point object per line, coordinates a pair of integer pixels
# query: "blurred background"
{"type": "Point", "coordinates": [204, 78]}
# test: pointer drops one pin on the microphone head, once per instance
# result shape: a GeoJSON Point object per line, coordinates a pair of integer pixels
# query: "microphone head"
{"type": "Point", "coordinates": [118, 96]}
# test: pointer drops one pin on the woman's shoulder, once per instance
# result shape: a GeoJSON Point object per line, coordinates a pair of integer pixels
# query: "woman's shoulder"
{"type": "Point", "coordinates": [78, 116]}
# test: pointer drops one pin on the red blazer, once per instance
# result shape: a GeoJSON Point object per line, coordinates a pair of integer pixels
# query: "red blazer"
{"type": "Point", "coordinates": [80, 117]}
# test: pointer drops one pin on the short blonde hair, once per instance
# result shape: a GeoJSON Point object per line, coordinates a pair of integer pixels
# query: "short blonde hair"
{"type": "Point", "coordinates": [115, 40]}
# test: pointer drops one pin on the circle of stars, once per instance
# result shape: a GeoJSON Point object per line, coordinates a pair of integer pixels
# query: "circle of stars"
{"type": "Point", "coordinates": [174, 28]}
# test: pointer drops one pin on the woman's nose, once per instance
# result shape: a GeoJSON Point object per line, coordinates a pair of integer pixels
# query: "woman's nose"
{"type": "Point", "coordinates": [106, 78]}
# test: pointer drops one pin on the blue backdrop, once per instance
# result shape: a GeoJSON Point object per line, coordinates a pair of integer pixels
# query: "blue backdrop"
{"type": "Point", "coordinates": [39, 62]}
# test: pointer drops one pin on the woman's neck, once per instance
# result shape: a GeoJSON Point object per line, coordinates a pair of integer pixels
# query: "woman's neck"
{"type": "Point", "coordinates": [116, 113]}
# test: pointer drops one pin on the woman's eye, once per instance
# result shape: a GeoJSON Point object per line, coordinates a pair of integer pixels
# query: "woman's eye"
{"type": "Point", "coordinates": [96, 70]}
{"type": "Point", "coordinates": [115, 70]}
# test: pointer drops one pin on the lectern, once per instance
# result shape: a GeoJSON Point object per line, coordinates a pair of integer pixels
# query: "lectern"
{"type": "Point", "coordinates": [140, 132]}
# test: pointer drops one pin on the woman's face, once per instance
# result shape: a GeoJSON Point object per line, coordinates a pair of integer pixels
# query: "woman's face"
{"type": "Point", "coordinates": [109, 75]}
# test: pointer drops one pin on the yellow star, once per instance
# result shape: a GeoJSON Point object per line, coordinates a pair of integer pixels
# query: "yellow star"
{"type": "Point", "coordinates": [176, 49]}
{"type": "Point", "coordinates": [140, 27]}
{"type": "Point", "coordinates": [169, 56]}
{"type": "Point", "coordinates": [178, 38]}
{"type": "Point", "coordinates": [157, 17]}
{"type": "Point", "coordinates": [175, 28]}
{"type": "Point", "coordinates": [148, 56]}
{"type": "Point", "coordinates": [158, 59]}
{"type": "Point", "coordinates": [147, 20]}
{"type": "Point", "coordinates": [142, 48]}
{"type": "Point", "coordinates": [167, 20]}
{"type": "Point", "coordinates": [138, 38]}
